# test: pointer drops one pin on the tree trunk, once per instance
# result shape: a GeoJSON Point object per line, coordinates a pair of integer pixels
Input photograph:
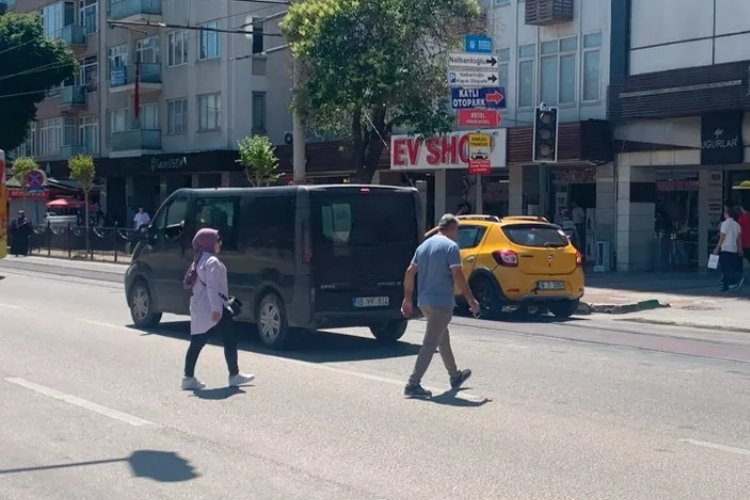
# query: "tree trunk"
{"type": "Point", "coordinates": [86, 219]}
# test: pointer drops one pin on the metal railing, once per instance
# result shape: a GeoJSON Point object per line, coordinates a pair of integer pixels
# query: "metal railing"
{"type": "Point", "coordinates": [137, 139]}
{"type": "Point", "coordinates": [112, 244]}
{"type": "Point", "coordinates": [120, 9]}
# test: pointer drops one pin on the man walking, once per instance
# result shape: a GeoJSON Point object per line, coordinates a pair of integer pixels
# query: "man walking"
{"type": "Point", "coordinates": [142, 218]}
{"type": "Point", "coordinates": [437, 264]}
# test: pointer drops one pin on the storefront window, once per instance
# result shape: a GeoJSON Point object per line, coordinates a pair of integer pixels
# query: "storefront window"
{"type": "Point", "coordinates": [676, 220]}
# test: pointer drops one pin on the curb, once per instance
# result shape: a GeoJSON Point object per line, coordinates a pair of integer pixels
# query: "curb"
{"type": "Point", "coordinates": [644, 305]}
{"type": "Point", "coordinates": [687, 324]}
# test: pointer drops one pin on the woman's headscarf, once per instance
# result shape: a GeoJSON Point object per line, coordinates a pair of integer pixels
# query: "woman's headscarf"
{"type": "Point", "coordinates": [203, 242]}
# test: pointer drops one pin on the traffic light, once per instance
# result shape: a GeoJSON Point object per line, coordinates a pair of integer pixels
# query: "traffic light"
{"type": "Point", "coordinates": [545, 135]}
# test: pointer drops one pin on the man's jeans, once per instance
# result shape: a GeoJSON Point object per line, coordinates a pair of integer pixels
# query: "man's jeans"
{"type": "Point", "coordinates": [436, 336]}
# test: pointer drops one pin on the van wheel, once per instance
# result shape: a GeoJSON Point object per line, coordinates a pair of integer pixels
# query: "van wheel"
{"type": "Point", "coordinates": [273, 328]}
{"type": "Point", "coordinates": [565, 309]}
{"type": "Point", "coordinates": [390, 332]}
{"type": "Point", "coordinates": [142, 306]}
{"type": "Point", "coordinates": [488, 295]}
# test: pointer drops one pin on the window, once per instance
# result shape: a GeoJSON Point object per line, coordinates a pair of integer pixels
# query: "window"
{"type": "Point", "coordinates": [170, 221]}
{"type": "Point", "coordinates": [89, 134]}
{"type": "Point", "coordinates": [258, 38]}
{"type": "Point", "coordinates": [272, 223]}
{"type": "Point", "coordinates": [209, 41]}
{"type": "Point", "coordinates": [147, 50]}
{"type": "Point", "coordinates": [502, 3]}
{"type": "Point", "coordinates": [88, 76]}
{"type": "Point", "coordinates": [558, 71]}
{"type": "Point", "coordinates": [118, 56]}
{"type": "Point", "coordinates": [70, 131]}
{"type": "Point", "coordinates": [178, 52]}
{"type": "Point", "coordinates": [591, 52]}
{"type": "Point", "coordinates": [470, 236]}
{"type": "Point", "coordinates": [118, 120]}
{"type": "Point", "coordinates": [88, 13]}
{"type": "Point", "coordinates": [503, 57]}
{"type": "Point", "coordinates": [526, 75]}
{"type": "Point", "coordinates": [177, 117]}
{"type": "Point", "coordinates": [221, 214]}
{"type": "Point", "coordinates": [52, 20]}
{"type": "Point", "coordinates": [149, 116]}
{"type": "Point", "coordinates": [50, 136]}
{"type": "Point", "coordinates": [28, 148]}
{"type": "Point", "coordinates": [536, 235]}
{"type": "Point", "coordinates": [209, 112]}
{"type": "Point", "coordinates": [259, 112]}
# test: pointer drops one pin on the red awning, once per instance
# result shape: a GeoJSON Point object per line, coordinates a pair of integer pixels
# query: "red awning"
{"type": "Point", "coordinates": [65, 203]}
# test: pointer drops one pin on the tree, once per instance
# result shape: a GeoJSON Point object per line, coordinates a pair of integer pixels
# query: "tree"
{"type": "Point", "coordinates": [369, 66]}
{"type": "Point", "coordinates": [83, 171]}
{"type": "Point", "coordinates": [21, 168]}
{"type": "Point", "coordinates": [258, 157]}
{"type": "Point", "coordinates": [30, 65]}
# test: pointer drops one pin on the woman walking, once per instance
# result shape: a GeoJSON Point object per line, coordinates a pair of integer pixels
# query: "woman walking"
{"type": "Point", "coordinates": [209, 310]}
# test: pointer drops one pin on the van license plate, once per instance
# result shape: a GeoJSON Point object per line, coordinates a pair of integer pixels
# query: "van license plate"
{"type": "Point", "coordinates": [371, 302]}
{"type": "Point", "coordinates": [551, 285]}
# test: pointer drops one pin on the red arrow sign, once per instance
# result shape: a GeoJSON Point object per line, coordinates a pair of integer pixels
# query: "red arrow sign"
{"type": "Point", "coordinates": [494, 97]}
{"type": "Point", "coordinates": [479, 118]}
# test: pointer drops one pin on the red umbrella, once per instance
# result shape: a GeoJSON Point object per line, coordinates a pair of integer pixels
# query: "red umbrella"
{"type": "Point", "coordinates": [65, 203]}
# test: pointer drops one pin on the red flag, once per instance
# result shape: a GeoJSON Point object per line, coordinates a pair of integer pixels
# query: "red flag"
{"type": "Point", "coordinates": [137, 89]}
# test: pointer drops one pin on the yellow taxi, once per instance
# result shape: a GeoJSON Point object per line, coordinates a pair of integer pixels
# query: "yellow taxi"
{"type": "Point", "coordinates": [519, 261]}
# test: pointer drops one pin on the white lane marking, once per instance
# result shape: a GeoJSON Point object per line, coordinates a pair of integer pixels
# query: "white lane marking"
{"type": "Point", "coordinates": [101, 323]}
{"type": "Point", "coordinates": [10, 306]}
{"type": "Point", "coordinates": [716, 446]}
{"type": "Point", "coordinates": [80, 402]}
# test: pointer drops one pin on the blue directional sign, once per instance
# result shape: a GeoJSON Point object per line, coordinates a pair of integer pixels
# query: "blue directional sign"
{"type": "Point", "coordinates": [478, 43]}
{"type": "Point", "coordinates": [483, 97]}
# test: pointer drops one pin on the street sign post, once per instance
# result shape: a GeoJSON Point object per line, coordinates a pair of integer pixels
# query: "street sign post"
{"type": "Point", "coordinates": [487, 118]}
{"type": "Point", "coordinates": [35, 181]}
{"type": "Point", "coordinates": [473, 61]}
{"type": "Point", "coordinates": [472, 78]}
{"type": "Point", "coordinates": [483, 97]}
{"type": "Point", "coordinates": [478, 43]}
{"type": "Point", "coordinates": [480, 146]}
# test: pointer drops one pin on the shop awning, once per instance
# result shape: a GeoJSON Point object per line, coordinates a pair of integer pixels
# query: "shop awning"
{"type": "Point", "coordinates": [65, 203]}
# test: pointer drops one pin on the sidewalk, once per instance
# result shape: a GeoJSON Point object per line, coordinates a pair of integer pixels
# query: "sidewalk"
{"type": "Point", "coordinates": [677, 299]}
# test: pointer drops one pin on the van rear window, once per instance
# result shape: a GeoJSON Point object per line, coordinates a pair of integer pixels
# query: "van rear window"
{"type": "Point", "coordinates": [536, 235]}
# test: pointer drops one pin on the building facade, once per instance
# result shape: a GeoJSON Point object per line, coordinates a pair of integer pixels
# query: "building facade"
{"type": "Point", "coordinates": [161, 108]}
{"type": "Point", "coordinates": [556, 52]}
{"type": "Point", "coordinates": [679, 100]}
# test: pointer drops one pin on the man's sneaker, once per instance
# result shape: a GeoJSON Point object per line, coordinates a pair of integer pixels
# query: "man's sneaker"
{"type": "Point", "coordinates": [192, 384]}
{"type": "Point", "coordinates": [416, 392]}
{"type": "Point", "coordinates": [458, 380]}
{"type": "Point", "coordinates": [240, 379]}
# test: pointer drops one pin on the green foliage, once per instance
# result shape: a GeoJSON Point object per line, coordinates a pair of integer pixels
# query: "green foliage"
{"type": "Point", "coordinates": [258, 157]}
{"type": "Point", "coordinates": [30, 65]}
{"type": "Point", "coordinates": [82, 169]}
{"type": "Point", "coordinates": [22, 166]}
{"type": "Point", "coordinates": [371, 65]}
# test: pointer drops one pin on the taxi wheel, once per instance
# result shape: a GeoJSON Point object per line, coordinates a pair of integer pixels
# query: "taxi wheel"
{"type": "Point", "coordinates": [565, 309]}
{"type": "Point", "coordinates": [488, 295]}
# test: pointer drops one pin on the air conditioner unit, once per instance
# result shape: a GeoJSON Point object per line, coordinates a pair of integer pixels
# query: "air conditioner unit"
{"type": "Point", "coordinates": [546, 12]}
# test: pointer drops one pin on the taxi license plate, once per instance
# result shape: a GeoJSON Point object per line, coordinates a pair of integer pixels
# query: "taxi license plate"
{"type": "Point", "coordinates": [371, 301]}
{"type": "Point", "coordinates": [551, 285]}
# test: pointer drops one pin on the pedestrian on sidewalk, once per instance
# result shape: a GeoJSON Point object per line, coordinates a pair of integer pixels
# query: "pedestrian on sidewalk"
{"type": "Point", "coordinates": [744, 222]}
{"type": "Point", "coordinates": [210, 313]}
{"type": "Point", "coordinates": [729, 250]}
{"type": "Point", "coordinates": [437, 265]}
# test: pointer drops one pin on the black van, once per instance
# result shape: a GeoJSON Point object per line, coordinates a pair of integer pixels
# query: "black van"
{"type": "Point", "coordinates": [302, 257]}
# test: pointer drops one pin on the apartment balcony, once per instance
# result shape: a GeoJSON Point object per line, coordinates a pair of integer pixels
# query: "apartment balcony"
{"type": "Point", "coordinates": [122, 78]}
{"type": "Point", "coordinates": [135, 142]}
{"type": "Point", "coordinates": [73, 97]}
{"type": "Point", "coordinates": [75, 149]}
{"type": "Point", "coordinates": [134, 10]}
{"type": "Point", "coordinates": [73, 34]}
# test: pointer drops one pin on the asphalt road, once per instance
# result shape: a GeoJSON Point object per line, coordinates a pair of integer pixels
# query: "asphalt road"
{"type": "Point", "coordinates": [591, 408]}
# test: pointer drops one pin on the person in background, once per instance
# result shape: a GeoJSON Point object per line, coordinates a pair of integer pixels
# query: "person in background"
{"type": "Point", "coordinates": [744, 222]}
{"type": "Point", "coordinates": [437, 264]}
{"type": "Point", "coordinates": [209, 312]}
{"type": "Point", "coordinates": [21, 232]}
{"type": "Point", "coordinates": [578, 215]}
{"type": "Point", "coordinates": [729, 250]}
{"type": "Point", "coordinates": [142, 218]}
